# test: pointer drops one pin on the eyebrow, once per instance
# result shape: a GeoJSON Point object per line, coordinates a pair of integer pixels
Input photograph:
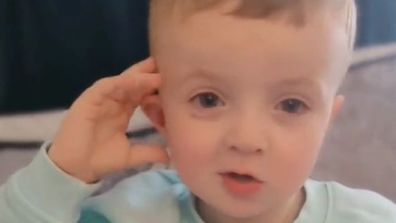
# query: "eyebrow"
{"type": "Point", "coordinates": [299, 83]}
{"type": "Point", "coordinates": [199, 74]}
{"type": "Point", "coordinates": [292, 83]}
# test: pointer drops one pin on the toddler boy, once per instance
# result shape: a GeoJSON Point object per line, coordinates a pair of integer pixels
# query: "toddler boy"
{"type": "Point", "coordinates": [246, 92]}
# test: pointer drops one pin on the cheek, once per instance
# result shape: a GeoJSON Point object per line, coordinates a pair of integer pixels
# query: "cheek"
{"type": "Point", "coordinates": [295, 157]}
{"type": "Point", "coordinates": [193, 150]}
{"type": "Point", "coordinates": [192, 142]}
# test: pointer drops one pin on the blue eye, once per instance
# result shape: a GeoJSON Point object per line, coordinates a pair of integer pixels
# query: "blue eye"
{"type": "Point", "coordinates": [207, 100]}
{"type": "Point", "coordinates": [292, 106]}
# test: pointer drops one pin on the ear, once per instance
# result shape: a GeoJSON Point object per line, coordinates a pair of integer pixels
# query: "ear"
{"type": "Point", "coordinates": [152, 107]}
{"type": "Point", "coordinates": [337, 106]}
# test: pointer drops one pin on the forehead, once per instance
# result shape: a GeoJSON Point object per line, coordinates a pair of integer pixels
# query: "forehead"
{"type": "Point", "coordinates": [234, 46]}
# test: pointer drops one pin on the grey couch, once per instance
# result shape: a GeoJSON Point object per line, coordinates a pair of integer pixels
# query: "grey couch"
{"type": "Point", "coordinates": [360, 150]}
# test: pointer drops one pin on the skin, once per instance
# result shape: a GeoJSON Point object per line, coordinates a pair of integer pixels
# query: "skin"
{"type": "Point", "coordinates": [252, 96]}
{"type": "Point", "coordinates": [223, 107]}
{"type": "Point", "coordinates": [91, 142]}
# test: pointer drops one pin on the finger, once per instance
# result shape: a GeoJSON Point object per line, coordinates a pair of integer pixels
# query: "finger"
{"type": "Point", "coordinates": [146, 66]}
{"type": "Point", "coordinates": [145, 154]}
{"type": "Point", "coordinates": [128, 88]}
{"type": "Point", "coordinates": [150, 99]}
{"type": "Point", "coordinates": [123, 89]}
{"type": "Point", "coordinates": [141, 79]}
{"type": "Point", "coordinates": [139, 85]}
{"type": "Point", "coordinates": [102, 89]}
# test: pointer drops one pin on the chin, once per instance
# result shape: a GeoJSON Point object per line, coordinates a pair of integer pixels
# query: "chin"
{"type": "Point", "coordinates": [242, 210]}
{"type": "Point", "coordinates": [245, 214]}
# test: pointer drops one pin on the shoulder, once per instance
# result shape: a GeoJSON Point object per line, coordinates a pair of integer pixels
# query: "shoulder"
{"type": "Point", "coordinates": [356, 205]}
{"type": "Point", "coordinates": [142, 198]}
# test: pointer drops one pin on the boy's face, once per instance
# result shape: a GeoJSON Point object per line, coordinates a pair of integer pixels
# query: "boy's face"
{"type": "Point", "coordinates": [251, 97]}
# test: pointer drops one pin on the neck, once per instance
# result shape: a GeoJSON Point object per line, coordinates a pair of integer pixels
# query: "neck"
{"type": "Point", "coordinates": [285, 213]}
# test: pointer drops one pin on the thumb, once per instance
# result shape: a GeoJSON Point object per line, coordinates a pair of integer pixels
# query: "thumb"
{"type": "Point", "coordinates": [146, 154]}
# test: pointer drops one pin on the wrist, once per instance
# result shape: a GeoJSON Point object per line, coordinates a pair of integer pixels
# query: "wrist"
{"type": "Point", "coordinates": [71, 166]}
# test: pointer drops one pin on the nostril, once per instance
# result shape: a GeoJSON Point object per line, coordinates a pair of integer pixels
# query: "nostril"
{"type": "Point", "coordinates": [247, 149]}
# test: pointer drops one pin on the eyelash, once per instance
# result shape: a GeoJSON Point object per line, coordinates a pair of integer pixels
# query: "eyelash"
{"type": "Point", "coordinates": [290, 105]}
{"type": "Point", "coordinates": [297, 106]}
{"type": "Point", "coordinates": [199, 100]}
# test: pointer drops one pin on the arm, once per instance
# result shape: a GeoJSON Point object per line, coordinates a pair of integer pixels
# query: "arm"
{"type": "Point", "coordinates": [41, 192]}
{"type": "Point", "coordinates": [90, 144]}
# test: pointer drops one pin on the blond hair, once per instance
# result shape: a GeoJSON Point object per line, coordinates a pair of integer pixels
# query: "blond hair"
{"type": "Point", "coordinates": [159, 9]}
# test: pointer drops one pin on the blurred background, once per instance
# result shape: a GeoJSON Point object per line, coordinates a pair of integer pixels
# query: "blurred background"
{"type": "Point", "coordinates": [51, 50]}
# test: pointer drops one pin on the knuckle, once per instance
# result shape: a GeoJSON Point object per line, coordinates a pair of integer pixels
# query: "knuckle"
{"type": "Point", "coordinates": [103, 81]}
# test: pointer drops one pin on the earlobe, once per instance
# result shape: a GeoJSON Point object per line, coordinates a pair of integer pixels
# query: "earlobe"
{"type": "Point", "coordinates": [337, 106]}
{"type": "Point", "coordinates": [152, 107]}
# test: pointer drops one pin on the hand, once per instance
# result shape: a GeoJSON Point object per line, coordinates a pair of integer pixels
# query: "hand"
{"type": "Point", "coordinates": [92, 142]}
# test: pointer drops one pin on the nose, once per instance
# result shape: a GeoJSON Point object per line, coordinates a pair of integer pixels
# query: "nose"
{"type": "Point", "coordinates": [247, 134]}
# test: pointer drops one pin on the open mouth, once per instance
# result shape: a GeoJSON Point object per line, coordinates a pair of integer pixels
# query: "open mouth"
{"type": "Point", "coordinates": [241, 184]}
{"type": "Point", "coordinates": [243, 178]}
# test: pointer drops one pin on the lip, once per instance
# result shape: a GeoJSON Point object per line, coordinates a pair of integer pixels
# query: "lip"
{"type": "Point", "coordinates": [240, 172]}
{"type": "Point", "coordinates": [241, 188]}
